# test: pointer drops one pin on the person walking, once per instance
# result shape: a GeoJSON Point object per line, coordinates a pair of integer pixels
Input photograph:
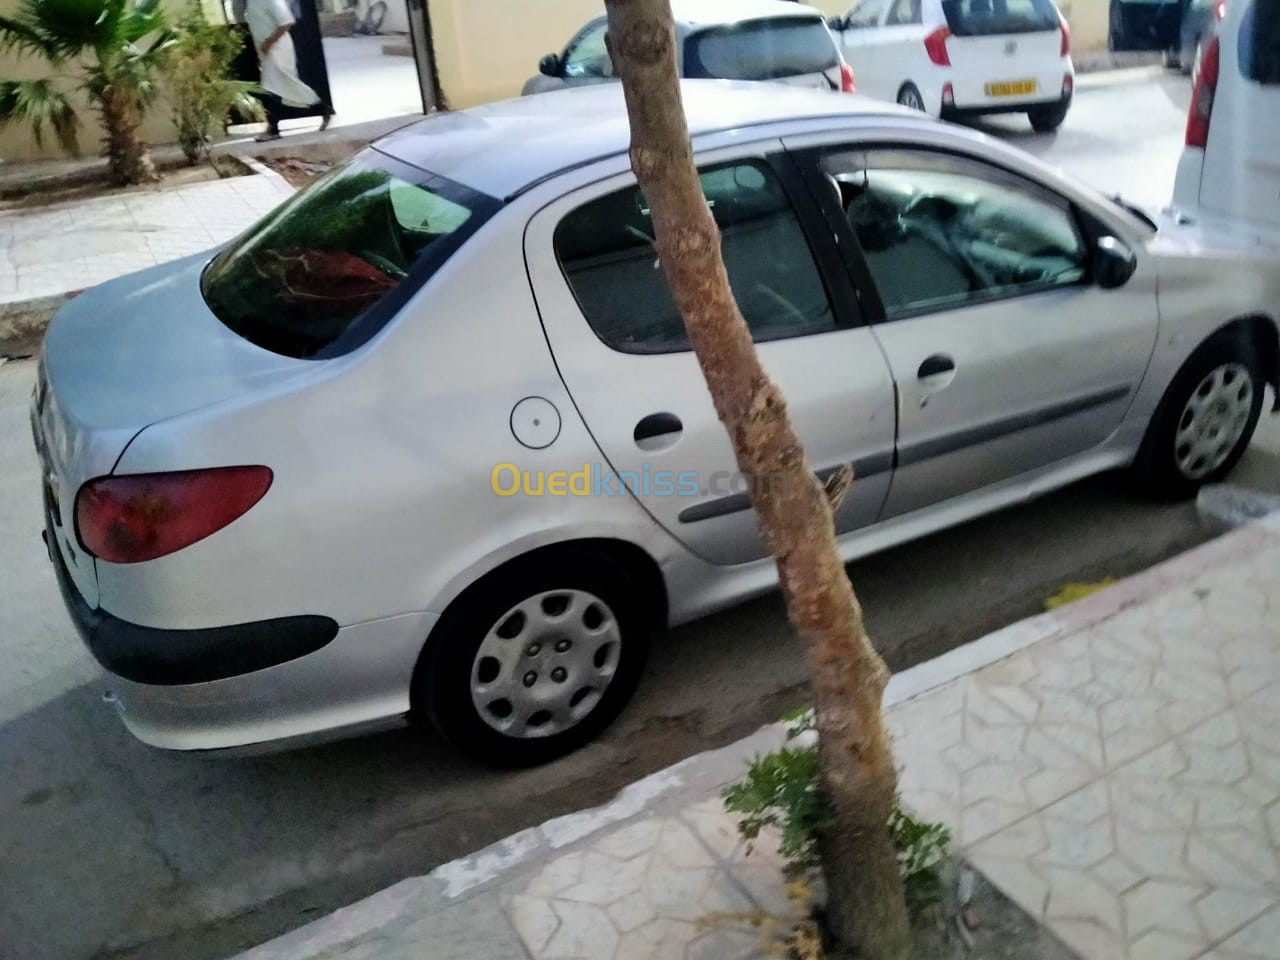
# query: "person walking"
{"type": "Point", "coordinates": [269, 24]}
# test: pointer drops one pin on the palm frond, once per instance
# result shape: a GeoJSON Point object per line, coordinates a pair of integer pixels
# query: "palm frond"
{"type": "Point", "coordinates": [38, 103]}
{"type": "Point", "coordinates": [71, 26]}
{"type": "Point", "coordinates": [21, 35]}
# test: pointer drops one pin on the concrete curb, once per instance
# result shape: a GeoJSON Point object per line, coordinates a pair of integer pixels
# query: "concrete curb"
{"type": "Point", "coordinates": [1117, 77]}
{"type": "Point", "coordinates": [705, 774]}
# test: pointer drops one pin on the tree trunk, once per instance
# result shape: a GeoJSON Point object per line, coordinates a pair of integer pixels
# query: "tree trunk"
{"type": "Point", "coordinates": [866, 910]}
{"type": "Point", "coordinates": [128, 157]}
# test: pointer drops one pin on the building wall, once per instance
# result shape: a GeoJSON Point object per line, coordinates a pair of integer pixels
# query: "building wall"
{"type": "Point", "coordinates": [17, 143]}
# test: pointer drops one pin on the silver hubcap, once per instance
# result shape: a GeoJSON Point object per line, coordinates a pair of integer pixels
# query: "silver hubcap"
{"type": "Point", "coordinates": [546, 663]}
{"type": "Point", "coordinates": [1213, 420]}
{"type": "Point", "coordinates": [909, 98]}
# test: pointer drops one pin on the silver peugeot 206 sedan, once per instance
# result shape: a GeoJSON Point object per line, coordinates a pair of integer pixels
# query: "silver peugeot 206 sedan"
{"type": "Point", "coordinates": [429, 440]}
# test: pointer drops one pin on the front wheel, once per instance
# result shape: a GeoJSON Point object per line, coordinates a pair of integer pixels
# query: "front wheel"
{"type": "Point", "coordinates": [536, 660]}
{"type": "Point", "coordinates": [1205, 421]}
{"type": "Point", "coordinates": [1047, 119]}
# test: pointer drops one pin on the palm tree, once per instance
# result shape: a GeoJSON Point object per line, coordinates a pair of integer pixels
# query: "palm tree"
{"type": "Point", "coordinates": [102, 43]}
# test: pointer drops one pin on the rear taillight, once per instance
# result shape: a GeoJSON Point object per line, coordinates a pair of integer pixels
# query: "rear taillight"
{"type": "Point", "coordinates": [1065, 30]}
{"type": "Point", "coordinates": [935, 44]}
{"type": "Point", "coordinates": [847, 84]}
{"type": "Point", "coordinates": [128, 519]}
{"type": "Point", "coordinates": [1202, 97]}
{"type": "Point", "coordinates": [1220, 10]}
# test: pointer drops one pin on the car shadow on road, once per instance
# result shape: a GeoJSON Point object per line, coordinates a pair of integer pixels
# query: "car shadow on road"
{"type": "Point", "coordinates": [111, 848]}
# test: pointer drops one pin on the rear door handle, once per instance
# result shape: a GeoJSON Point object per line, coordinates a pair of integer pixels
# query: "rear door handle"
{"type": "Point", "coordinates": [657, 427]}
{"type": "Point", "coordinates": [937, 364]}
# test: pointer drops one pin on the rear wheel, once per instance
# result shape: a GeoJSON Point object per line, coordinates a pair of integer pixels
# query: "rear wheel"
{"type": "Point", "coordinates": [1205, 421]}
{"type": "Point", "coordinates": [1047, 119]}
{"type": "Point", "coordinates": [535, 661]}
{"type": "Point", "coordinates": [1172, 59]}
{"type": "Point", "coordinates": [909, 96]}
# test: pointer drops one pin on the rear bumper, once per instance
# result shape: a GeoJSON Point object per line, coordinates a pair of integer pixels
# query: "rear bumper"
{"type": "Point", "coordinates": [170, 657]}
{"type": "Point", "coordinates": [270, 685]}
{"type": "Point", "coordinates": [960, 112]}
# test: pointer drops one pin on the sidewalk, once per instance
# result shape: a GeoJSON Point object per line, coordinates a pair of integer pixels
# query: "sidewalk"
{"type": "Point", "coordinates": [47, 250]}
{"type": "Point", "coordinates": [1113, 767]}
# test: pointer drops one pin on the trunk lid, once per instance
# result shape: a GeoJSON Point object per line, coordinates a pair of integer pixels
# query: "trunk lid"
{"type": "Point", "coordinates": [118, 358]}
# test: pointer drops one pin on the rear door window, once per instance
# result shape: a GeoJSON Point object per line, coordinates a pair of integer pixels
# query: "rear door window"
{"type": "Point", "coordinates": [606, 250]}
{"type": "Point", "coordinates": [325, 270]}
{"type": "Point", "coordinates": [761, 50]}
{"type": "Point", "coordinates": [1259, 48]}
{"type": "Point", "coordinates": [980, 18]}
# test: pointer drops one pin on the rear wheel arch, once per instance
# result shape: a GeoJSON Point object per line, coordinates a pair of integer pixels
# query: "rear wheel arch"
{"type": "Point", "coordinates": [633, 561]}
{"type": "Point", "coordinates": [620, 576]}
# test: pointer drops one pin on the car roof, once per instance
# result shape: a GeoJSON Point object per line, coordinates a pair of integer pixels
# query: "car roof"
{"type": "Point", "coordinates": [703, 13]}
{"type": "Point", "coordinates": [503, 148]}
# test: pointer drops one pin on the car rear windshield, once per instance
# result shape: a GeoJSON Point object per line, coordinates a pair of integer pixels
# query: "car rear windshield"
{"type": "Point", "coordinates": [1260, 43]}
{"type": "Point", "coordinates": [761, 50]}
{"type": "Point", "coordinates": [982, 18]}
{"type": "Point", "coordinates": [324, 271]}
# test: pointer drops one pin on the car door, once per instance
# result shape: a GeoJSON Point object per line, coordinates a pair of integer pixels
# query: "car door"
{"type": "Point", "coordinates": [1241, 174]}
{"type": "Point", "coordinates": [900, 46]}
{"type": "Point", "coordinates": [1007, 359]}
{"type": "Point", "coordinates": [860, 37]}
{"type": "Point", "coordinates": [621, 348]}
{"type": "Point", "coordinates": [1145, 24]}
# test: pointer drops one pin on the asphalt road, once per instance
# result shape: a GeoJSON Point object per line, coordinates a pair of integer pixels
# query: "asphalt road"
{"type": "Point", "coordinates": [111, 849]}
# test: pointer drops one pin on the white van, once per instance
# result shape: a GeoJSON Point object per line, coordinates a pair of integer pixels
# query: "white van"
{"type": "Point", "coordinates": [1230, 168]}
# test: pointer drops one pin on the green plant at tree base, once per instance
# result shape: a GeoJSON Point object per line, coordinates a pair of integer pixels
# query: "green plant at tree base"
{"type": "Point", "coordinates": [114, 50]}
{"type": "Point", "coordinates": [200, 89]}
{"type": "Point", "coordinates": [782, 791]}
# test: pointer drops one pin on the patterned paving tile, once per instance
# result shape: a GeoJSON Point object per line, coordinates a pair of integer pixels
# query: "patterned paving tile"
{"type": "Point", "coordinates": [1123, 783]}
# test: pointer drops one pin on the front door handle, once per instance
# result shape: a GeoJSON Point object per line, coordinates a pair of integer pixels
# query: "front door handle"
{"type": "Point", "coordinates": [937, 364]}
{"type": "Point", "coordinates": [657, 429]}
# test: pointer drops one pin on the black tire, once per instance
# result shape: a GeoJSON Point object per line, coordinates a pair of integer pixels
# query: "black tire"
{"type": "Point", "coordinates": [1155, 471]}
{"type": "Point", "coordinates": [442, 682]}
{"type": "Point", "coordinates": [1047, 119]}
{"type": "Point", "coordinates": [909, 97]}
{"type": "Point", "coordinates": [1172, 59]}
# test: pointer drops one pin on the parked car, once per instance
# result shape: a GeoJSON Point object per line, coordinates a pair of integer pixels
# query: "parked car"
{"type": "Point", "coordinates": [1228, 171]}
{"type": "Point", "coordinates": [957, 58]}
{"type": "Point", "coordinates": [429, 440]}
{"type": "Point", "coordinates": [1180, 29]}
{"type": "Point", "coordinates": [718, 39]}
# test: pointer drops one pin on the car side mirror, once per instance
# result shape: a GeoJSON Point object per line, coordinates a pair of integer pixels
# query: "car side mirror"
{"type": "Point", "coordinates": [836, 23]}
{"type": "Point", "coordinates": [1113, 263]}
{"type": "Point", "coordinates": [549, 66]}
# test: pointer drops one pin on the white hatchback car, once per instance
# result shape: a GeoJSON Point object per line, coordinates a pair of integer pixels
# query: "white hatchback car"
{"type": "Point", "coordinates": [962, 58]}
{"type": "Point", "coordinates": [429, 440]}
{"type": "Point", "coordinates": [1228, 172]}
